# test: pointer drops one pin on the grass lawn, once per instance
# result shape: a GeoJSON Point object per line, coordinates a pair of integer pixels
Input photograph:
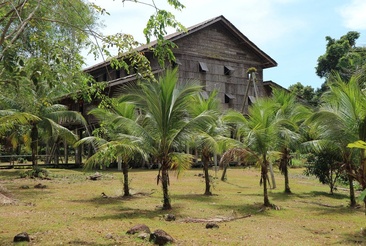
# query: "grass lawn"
{"type": "Point", "coordinates": [72, 211]}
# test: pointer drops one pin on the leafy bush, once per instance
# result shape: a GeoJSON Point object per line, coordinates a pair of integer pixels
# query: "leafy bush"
{"type": "Point", "coordinates": [36, 172]}
{"type": "Point", "coordinates": [326, 166]}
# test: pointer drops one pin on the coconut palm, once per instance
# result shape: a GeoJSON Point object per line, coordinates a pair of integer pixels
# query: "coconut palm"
{"type": "Point", "coordinates": [290, 114]}
{"type": "Point", "coordinates": [9, 119]}
{"type": "Point", "coordinates": [212, 139]}
{"type": "Point", "coordinates": [117, 141]}
{"type": "Point", "coordinates": [39, 101]}
{"type": "Point", "coordinates": [341, 120]}
{"type": "Point", "coordinates": [259, 131]}
{"type": "Point", "coordinates": [167, 124]}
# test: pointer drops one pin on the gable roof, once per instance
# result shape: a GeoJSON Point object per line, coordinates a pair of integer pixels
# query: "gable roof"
{"type": "Point", "coordinates": [268, 61]}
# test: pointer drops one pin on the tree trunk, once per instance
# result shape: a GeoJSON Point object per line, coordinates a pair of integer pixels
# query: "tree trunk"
{"type": "Point", "coordinates": [126, 188]}
{"type": "Point", "coordinates": [264, 173]}
{"type": "Point", "coordinates": [34, 145]}
{"type": "Point", "coordinates": [287, 183]}
{"type": "Point", "coordinates": [119, 163]}
{"type": "Point", "coordinates": [205, 160]}
{"type": "Point", "coordinates": [66, 152]}
{"type": "Point", "coordinates": [165, 184]}
{"type": "Point", "coordinates": [272, 176]}
{"type": "Point", "coordinates": [223, 176]}
{"type": "Point", "coordinates": [284, 163]}
{"type": "Point", "coordinates": [351, 192]}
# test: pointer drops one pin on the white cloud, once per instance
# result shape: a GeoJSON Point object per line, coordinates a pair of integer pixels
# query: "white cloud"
{"type": "Point", "coordinates": [354, 15]}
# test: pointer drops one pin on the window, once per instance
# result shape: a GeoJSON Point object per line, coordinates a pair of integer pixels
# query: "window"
{"type": "Point", "coordinates": [251, 100]}
{"type": "Point", "coordinates": [203, 67]}
{"type": "Point", "coordinates": [229, 97]}
{"type": "Point", "coordinates": [176, 63]}
{"type": "Point", "coordinates": [228, 70]}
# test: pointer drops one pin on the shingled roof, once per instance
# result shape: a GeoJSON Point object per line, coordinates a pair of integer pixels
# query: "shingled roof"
{"type": "Point", "coordinates": [268, 61]}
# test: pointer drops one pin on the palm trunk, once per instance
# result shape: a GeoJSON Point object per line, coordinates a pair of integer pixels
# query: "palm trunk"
{"type": "Point", "coordinates": [351, 192]}
{"type": "Point", "coordinates": [223, 176]}
{"type": "Point", "coordinates": [264, 173]}
{"type": "Point", "coordinates": [34, 145]}
{"type": "Point", "coordinates": [205, 159]}
{"type": "Point", "coordinates": [287, 183]}
{"type": "Point", "coordinates": [272, 176]}
{"type": "Point", "coordinates": [165, 184]}
{"type": "Point", "coordinates": [126, 188]}
{"type": "Point", "coordinates": [284, 163]}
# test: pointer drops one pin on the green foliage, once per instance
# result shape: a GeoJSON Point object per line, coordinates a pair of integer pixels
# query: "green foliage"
{"type": "Point", "coordinates": [342, 56]}
{"type": "Point", "coordinates": [306, 93]}
{"type": "Point", "coordinates": [326, 166]}
{"type": "Point", "coordinates": [36, 173]}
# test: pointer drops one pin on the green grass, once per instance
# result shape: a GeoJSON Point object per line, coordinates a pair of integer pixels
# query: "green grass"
{"type": "Point", "coordinates": [72, 211]}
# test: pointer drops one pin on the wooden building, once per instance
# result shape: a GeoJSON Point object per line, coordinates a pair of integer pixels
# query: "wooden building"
{"type": "Point", "coordinates": [213, 52]}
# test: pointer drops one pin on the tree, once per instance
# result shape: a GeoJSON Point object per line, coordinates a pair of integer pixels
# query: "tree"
{"type": "Point", "coordinates": [42, 40]}
{"type": "Point", "coordinates": [211, 140]}
{"type": "Point", "coordinates": [114, 141]}
{"type": "Point", "coordinates": [167, 124]}
{"type": "Point", "coordinates": [341, 120]}
{"type": "Point", "coordinates": [327, 167]}
{"type": "Point", "coordinates": [289, 114]}
{"type": "Point", "coordinates": [306, 93]}
{"type": "Point", "coordinates": [343, 57]}
{"type": "Point", "coordinates": [38, 101]}
{"type": "Point", "coordinates": [259, 132]}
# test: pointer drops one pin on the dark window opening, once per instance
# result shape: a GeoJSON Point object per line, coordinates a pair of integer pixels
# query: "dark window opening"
{"type": "Point", "coordinates": [228, 70]}
{"type": "Point", "coordinates": [176, 63]}
{"type": "Point", "coordinates": [229, 97]}
{"type": "Point", "coordinates": [251, 100]}
{"type": "Point", "coordinates": [203, 67]}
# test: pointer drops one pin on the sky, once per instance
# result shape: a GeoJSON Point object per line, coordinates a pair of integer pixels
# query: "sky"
{"type": "Point", "coordinates": [292, 32]}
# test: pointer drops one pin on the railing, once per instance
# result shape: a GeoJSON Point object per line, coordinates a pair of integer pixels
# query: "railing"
{"type": "Point", "coordinates": [24, 161]}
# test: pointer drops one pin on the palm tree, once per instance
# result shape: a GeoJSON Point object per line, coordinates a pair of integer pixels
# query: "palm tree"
{"type": "Point", "coordinates": [117, 141]}
{"type": "Point", "coordinates": [167, 124]}
{"type": "Point", "coordinates": [341, 120]}
{"type": "Point", "coordinates": [259, 131]}
{"type": "Point", "coordinates": [9, 119]}
{"type": "Point", "coordinates": [39, 101]}
{"type": "Point", "coordinates": [210, 140]}
{"type": "Point", "coordinates": [290, 114]}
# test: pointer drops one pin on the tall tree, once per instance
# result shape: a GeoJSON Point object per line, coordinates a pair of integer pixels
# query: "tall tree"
{"type": "Point", "coordinates": [342, 56]}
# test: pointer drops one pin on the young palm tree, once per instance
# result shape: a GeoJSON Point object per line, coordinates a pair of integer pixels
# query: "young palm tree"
{"type": "Point", "coordinates": [290, 114]}
{"type": "Point", "coordinates": [210, 140]}
{"type": "Point", "coordinates": [167, 124]}
{"type": "Point", "coordinates": [118, 141]}
{"type": "Point", "coordinates": [340, 120]}
{"type": "Point", "coordinates": [259, 132]}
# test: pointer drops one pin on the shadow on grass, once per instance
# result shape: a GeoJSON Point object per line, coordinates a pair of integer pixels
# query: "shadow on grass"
{"type": "Point", "coordinates": [239, 209]}
{"type": "Point", "coordinates": [353, 239]}
{"type": "Point", "coordinates": [10, 174]}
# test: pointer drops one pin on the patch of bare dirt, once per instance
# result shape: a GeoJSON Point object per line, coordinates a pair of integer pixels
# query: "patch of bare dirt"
{"type": "Point", "coordinates": [5, 197]}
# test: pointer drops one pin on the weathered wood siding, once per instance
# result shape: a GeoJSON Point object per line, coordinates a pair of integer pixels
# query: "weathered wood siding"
{"type": "Point", "coordinates": [217, 48]}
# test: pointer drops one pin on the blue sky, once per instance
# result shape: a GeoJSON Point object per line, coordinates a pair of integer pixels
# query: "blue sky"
{"type": "Point", "coordinates": [292, 32]}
